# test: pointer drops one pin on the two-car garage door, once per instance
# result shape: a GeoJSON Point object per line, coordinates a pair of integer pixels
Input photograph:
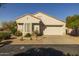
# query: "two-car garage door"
{"type": "Point", "coordinates": [50, 30]}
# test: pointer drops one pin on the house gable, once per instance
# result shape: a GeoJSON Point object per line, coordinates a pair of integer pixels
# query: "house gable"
{"type": "Point", "coordinates": [28, 19]}
{"type": "Point", "coordinates": [48, 20]}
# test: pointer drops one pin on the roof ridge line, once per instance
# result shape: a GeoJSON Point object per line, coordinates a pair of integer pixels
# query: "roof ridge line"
{"type": "Point", "coordinates": [26, 15]}
{"type": "Point", "coordinates": [34, 16]}
{"type": "Point", "coordinates": [49, 16]}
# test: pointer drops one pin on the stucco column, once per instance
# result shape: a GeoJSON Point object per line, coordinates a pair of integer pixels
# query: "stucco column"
{"type": "Point", "coordinates": [23, 27]}
{"type": "Point", "coordinates": [31, 28]}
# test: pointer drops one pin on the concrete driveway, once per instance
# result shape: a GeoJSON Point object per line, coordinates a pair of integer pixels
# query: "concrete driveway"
{"type": "Point", "coordinates": [49, 40]}
{"type": "Point", "coordinates": [62, 39]}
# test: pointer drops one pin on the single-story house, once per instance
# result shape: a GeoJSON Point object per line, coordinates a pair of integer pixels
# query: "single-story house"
{"type": "Point", "coordinates": [44, 24]}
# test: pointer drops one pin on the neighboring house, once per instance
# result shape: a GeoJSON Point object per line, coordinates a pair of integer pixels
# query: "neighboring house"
{"type": "Point", "coordinates": [42, 23]}
{"type": "Point", "coordinates": [71, 31]}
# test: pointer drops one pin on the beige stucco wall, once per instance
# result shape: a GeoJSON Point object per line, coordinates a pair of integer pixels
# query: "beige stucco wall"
{"type": "Point", "coordinates": [26, 19]}
{"type": "Point", "coordinates": [47, 20]}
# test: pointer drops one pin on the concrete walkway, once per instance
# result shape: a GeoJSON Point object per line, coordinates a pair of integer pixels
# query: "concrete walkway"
{"type": "Point", "coordinates": [48, 40]}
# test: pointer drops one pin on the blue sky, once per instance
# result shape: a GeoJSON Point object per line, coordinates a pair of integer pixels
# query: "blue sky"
{"type": "Point", "coordinates": [60, 11]}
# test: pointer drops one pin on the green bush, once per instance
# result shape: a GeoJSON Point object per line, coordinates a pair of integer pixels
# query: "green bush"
{"type": "Point", "coordinates": [5, 35]}
{"type": "Point", "coordinates": [13, 31]}
{"type": "Point", "coordinates": [28, 35]}
{"type": "Point", "coordinates": [18, 33]}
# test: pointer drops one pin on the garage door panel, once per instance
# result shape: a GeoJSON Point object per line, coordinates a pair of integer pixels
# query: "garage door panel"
{"type": "Point", "coordinates": [53, 31]}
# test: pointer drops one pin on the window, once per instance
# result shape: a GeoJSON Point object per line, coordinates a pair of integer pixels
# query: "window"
{"type": "Point", "coordinates": [20, 26]}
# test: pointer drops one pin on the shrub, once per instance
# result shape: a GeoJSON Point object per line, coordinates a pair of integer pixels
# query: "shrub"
{"type": "Point", "coordinates": [37, 33]}
{"type": "Point", "coordinates": [5, 35]}
{"type": "Point", "coordinates": [18, 33]}
{"type": "Point", "coordinates": [28, 35]}
{"type": "Point", "coordinates": [13, 31]}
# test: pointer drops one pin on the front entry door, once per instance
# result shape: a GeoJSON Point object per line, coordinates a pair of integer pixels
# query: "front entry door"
{"type": "Point", "coordinates": [36, 28]}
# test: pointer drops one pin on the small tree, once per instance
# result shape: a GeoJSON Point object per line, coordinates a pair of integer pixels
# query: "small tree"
{"type": "Point", "coordinates": [73, 22]}
{"type": "Point", "coordinates": [5, 35]}
{"type": "Point", "coordinates": [10, 26]}
{"type": "Point", "coordinates": [18, 33]}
